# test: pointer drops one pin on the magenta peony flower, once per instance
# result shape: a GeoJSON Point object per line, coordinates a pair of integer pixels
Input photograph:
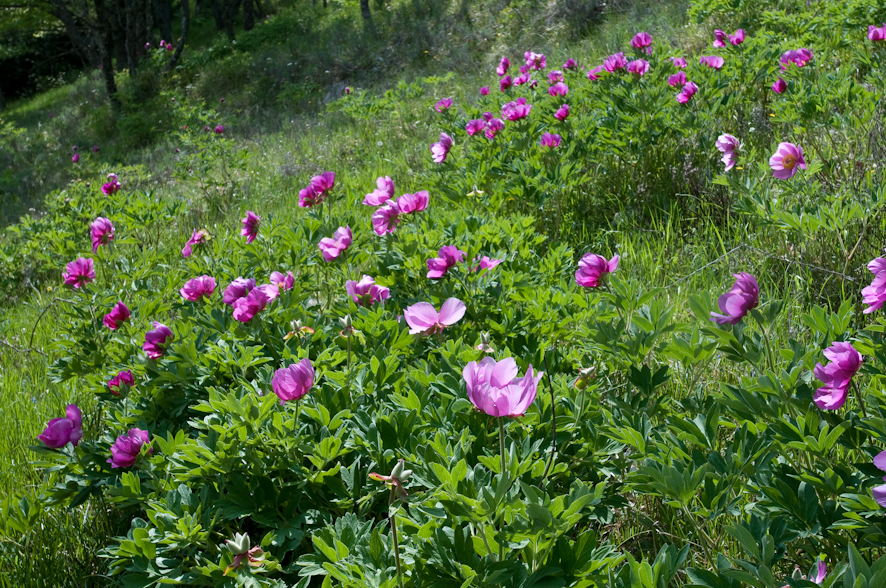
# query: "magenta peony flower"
{"type": "Point", "coordinates": [614, 62]}
{"type": "Point", "coordinates": [594, 74]}
{"type": "Point", "coordinates": [877, 33]}
{"type": "Point", "coordinates": [713, 61]}
{"type": "Point", "coordinates": [253, 303]}
{"type": "Point", "coordinates": [475, 126]}
{"type": "Point", "coordinates": [516, 110]}
{"type": "Point", "coordinates": [550, 140]}
{"type": "Point", "coordinates": [386, 218]}
{"type": "Point", "coordinates": [340, 241]}
{"type": "Point", "coordinates": [779, 86]}
{"type": "Point", "coordinates": [505, 83]}
{"type": "Point", "coordinates": [738, 301]}
{"type": "Point", "coordinates": [122, 380]}
{"type": "Point", "coordinates": [281, 281]}
{"type": "Point", "coordinates": [524, 69]}
{"type": "Point", "coordinates": [118, 315]}
{"type": "Point", "coordinates": [875, 294]}
{"type": "Point", "coordinates": [737, 38]}
{"type": "Point", "coordinates": [128, 447]}
{"type": "Point", "coordinates": [250, 226]}
{"type": "Point", "coordinates": [383, 193]}
{"type": "Point", "coordinates": [562, 112]}
{"type": "Point", "coordinates": [441, 149]}
{"type": "Point", "coordinates": [719, 39]}
{"type": "Point", "coordinates": [593, 268]}
{"type": "Point", "coordinates": [102, 232]}
{"type": "Point", "coordinates": [642, 41]}
{"type": "Point", "coordinates": [785, 161]}
{"type": "Point", "coordinates": [79, 272]}
{"type": "Point", "coordinates": [95, 148]}
{"type": "Point", "coordinates": [486, 263]}
{"type": "Point", "coordinates": [798, 57]}
{"type": "Point", "coordinates": [307, 197]}
{"type": "Point", "coordinates": [555, 76]}
{"type": "Point", "coordinates": [836, 376]}
{"type": "Point", "coordinates": [218, 130]}
{"type": "Point", "coordinates": [113, 183]}
{"type": "Point", "coordinates": [678, 79]}
{"type": "Point", "coordinates": [494, 388]}
{"type": "Point", "coordinates": [61, 431]}
{"type": "Point", "coordinates": [523, 79]}
{"type": "Point", "coordinates": [678, 62]}
{"type": "Point", "coordinates": [156, 340]}
{"type": "Point", "coordinates": [198, 288]}
{"type": "Point", "coordinates": [686, 94]}
{"type": "Point", "coordinates": [570, 64]}
{"type": "Point", "coordinates": [366, 292]}
{"type": "Point", "coordinates": [443, 104]}
{"type": "Point", "coordinates": [450, 256]}
{"type": "Point", "coordinates": [198, 238]}
{"type": "Point", "coordinates": [237, 289]}
{"type": "Point", "coordinates": [75, 158]}
{"type": "Point", "coordinates": [880, 491]}
{"type": "Point", "coordinates": [293, 382]}
{"type": "Point", "coordinates": [423, 318]}
{"type": "Point", "coordinates": [503, 66]}
{"type": "Point", "coordinates": [494, 126]}
{"type": "Point", "coordinates": [535, 60]}
{"type": "Point", "coordinates": [484, 91]}
{"type": "Point", "coordinates": [322, 185]}
{"type": "Point", "coordinates": [558, 89]}
{"type": "Point", "coordinates": [728, 145]}
{"type": "Point", "coordinates": [412, 203]}
{"type": "Point", "coordinates": [638, 67]}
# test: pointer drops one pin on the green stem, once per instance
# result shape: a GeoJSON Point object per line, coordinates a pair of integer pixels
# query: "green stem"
{"type": "Point", "coordinates": [864, 411]}
{"type": "Point", "coordinates": [350, 397]}
{"type": "Point", "coordinates": [393, 519]}
{"type": "Point", "coordinates": [504, 467]}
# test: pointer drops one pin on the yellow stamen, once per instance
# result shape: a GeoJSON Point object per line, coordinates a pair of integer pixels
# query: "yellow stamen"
{"type": "Point", "coordinates": [789, 161]}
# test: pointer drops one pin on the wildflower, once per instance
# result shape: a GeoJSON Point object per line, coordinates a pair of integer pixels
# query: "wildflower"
{"type": "Point", "coordinates": [198, 238]}
{"type": "Point", "coordinates": [785, 161]}
{"type": "Point", "coordinates": [386, 218]}
{"type": "Point", "coordinates": [250, 305]}
{"type": "Point", "coordinates": [677, 79]}
{"type": "Point", "coordinates": [156, 340]}
{"type": "Point", "coordinates": [555, 76]}
{"type": "Point", "coordinates": [719, 39]}
{"type": "Point", "coordinates": [322, 184]}
{"type": "Point", "coordinates": [728, 145]}
{"type": "Point", "coordinates": [880, 491]}
{"type": "Point", "coordinates": [475, 126]}
{"type": "Point", "coordinates": [570, 64]}
{"type": "Point", "coordinates": [686, 94]}
{"type": "Point", "coordinates": [712, 61]}
{"type": "Point", "coordinates": [102, 232]}
{"type": "Point", "coordinates": [75, 158]}
{"type": "Point", "coordinates": [118, 315]}
{"type": "Point", "coordinates": [877, 33]}
{"type": "Point", "coordinates": [485, 344]}
{"type": "Point", "coordinates": [558, 89]}
{"type": "Point", "coordinates": [237, 289]}
{"type": "Point", "coordinates": [486, 263]}
{"type": "Point", "coordinates": [250, 226]}
{"type": "Point", "coordinates": [95, 148]}
{"type": "Point", "coordinates": [218, 130]}
{"type": "Point", "coordinates": [524, 69]}
{"type": "Point", "coordinates": [441, 149]}
{"type": "Point", "coordinates": [121, 382]}
{"type": "Point", "coordinates": [366, 292]}
{"type": "Point", "coordinates": [679, 62]}
{"type": "Point", "coordinates": [503, 66]}
{"type": "Point", "coordinates": [642, 41]}
{"type": "Point", "coordinates": [562, 112]}
{"type": "Point", "coordinates": [383, 192]}
{"type": "Point", "coordinates": [535, 60]}
{"type": "Point", "coordinates": [396, 478]}
{"type": "Point", "coordinates": [523, 79]}
{"type": "Point", "coordinates": [779, 86]}
{"type": "Point", "coordinates": [423, 318]}
{"type": "Point", "coordinates": [239, 548]}
{"type": "Point", "coordinates": [411, 203]}
{"type": "Point", "coordinates": [738, 301]}
{"type": "Point", "coordinates": [614, 62]}
{"type": "Point", "coordinates": [283, 282]}
{"type": "Point", "coordinates": [798, 57]}
{"type": "Point", "coordinates": [293, 382]}
{"type": "Point", "coordinates": [197, 288]}
{"type": "Point", "coordinates": [113, 183]}
{"type": "Point", "coordinates": [836, 376]}
{"type": "Point", "coordinates": [331, 248]}
{"type": "Point", "coordinates": [737, 38]}
{"type": "Point", "coordinates": [443, 104]}
{"type": "Point", "coordinates": [79, 272]}
{"type": "Point", "coordinates": [484, 91]}
{"type": "Point", "coordinates": [450, 256]}
{"type": "Point", "coordinates": [347, 90]}
{"type": "Point", "coordinates": [550, 140]}
{"type": "Point", "coordinates": [593, 268]}
{"type": "Point", "coordinates": [505, 83]}
{"type": "Point", "coordinates": [492, 127]}
{"type": "Point", "coordinates": [169, 47]}
{"type": "Point", "coordinates": [594, 74]}
{"type": "Point", "coordinates": [128, 447]}
{"type": "Point", "coordinates": [61, 431]}
{"type": "Point", "coordinates": [638, 67]}
{"type": "Point", "coordinates": [875, 294]}
{"type": "Point", "coordinates": [585, 375]}
{"type": "Point", "coordinates": [516, 110]}
{"type": "Point", "coordinates": [494, 388]}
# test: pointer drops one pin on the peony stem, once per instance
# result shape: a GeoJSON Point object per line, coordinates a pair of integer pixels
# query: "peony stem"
{"type": "Point", "coordinates": [504, 467]}
{"type": "Point", "coordinates": [864, 411]}
{"type": "Point", "coordinates": [393, 519]}
{"type": "Point", "coordinates": [350, 396]}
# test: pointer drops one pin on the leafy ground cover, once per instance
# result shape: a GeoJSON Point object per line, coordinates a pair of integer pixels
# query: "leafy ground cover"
{"type": "Point", "coordinates": [465, 338]}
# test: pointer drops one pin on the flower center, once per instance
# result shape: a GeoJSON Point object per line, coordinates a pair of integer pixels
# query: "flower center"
{"type": "Point", "coordinates": [789, 161]}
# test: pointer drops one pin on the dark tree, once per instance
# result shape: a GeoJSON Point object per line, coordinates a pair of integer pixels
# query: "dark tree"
{"type": "Point", "coordinates": [186, 24]}
{"type": "Point", "coordinates": [366, 14]}
{"type": "Point", "coordinates": [104, 47]}
{"type": "Point", "coordinates": [248, 15]}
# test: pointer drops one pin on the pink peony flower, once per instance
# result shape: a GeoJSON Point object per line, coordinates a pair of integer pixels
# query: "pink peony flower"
{"type": "Point", "coordinates": [728, 145]}
{"type": "Point", "coordinates": [562, 112]}
{"type": "Point", "coordinates": [798, 57]}
{"type": "Point", "coordinates": [493, 126]}
{"type": "Point", "coordinates": [156, 340]}
{"type": "Point", "coordinates": [836, 376]}
{"type": "Point", "coordinates": [79, 272]}
{"type": "Point", "coordinates": [678, 79]}
{"type": "Point", "coordinates": [281, 281]}
{"type": "Point", "coordinates": [524, 69]}
{"type": "Point", "coordinates": [443, 104]}
{"type": "Point", "coordinates": [198, 238]}
{"type": "Point", "coordinates": [322, 185]}
{"type": "Point", "coordinates": [118, 315]}
{"type": "Point", "coordinates": [484, 91]}
{"type": "Point", "coordinates": [486, 263]}
{"type": "Point", "coordinates": [61, 431]}
{"type": "Point", "coordinates": [523, 79]}
{"type": "Point", "coordinates": [340, 241]}
{"type": "Point", "coordinates": [550, 140]}
{"type": "Point", "coordinates": [75, 158]}
{"type": "Point", "coordinates": [880, 491]}
{"type": "Point", "coordinates": [638, 67]}
{"type": "Point", "coordinates": [503, 66]}
{"type": "Point", "coordinates": [719, 39]}
{"type": "Point", "coordinates": [686, 94]}
{"type": "Point", "coordinates": [516, 110]}
{"type": "Point", "coordinates": [293, 382]}
{"type": "Point", "coordinates": [475, 126]}
{"type": "Point", "coordinates": [219, 129]}
{"type": "Point", "coordinates": [102, 232]}
{"type": "Point", "coordinates": [558, 89]}
{"type": "Point", "coordinates": [712, 61]}
{"type": "Point", "coordinates": [593, 268]}
{"type": "Point", "coordinates": [738, 301]}
{"type": "Point", "coordinates": [95, 148]}
{"type": "Point", "coordinates": [253, 303]}
{"type": "Point", "coordinates": [779, 86]}
{"type": "Point", "coordinates": [383, 192]}
{"type": "Point", "coordinates": [642, 41]}
{"type": "Point", "coordinates": [411, 203]}
{"type": "Point", "coordinates": [112, 185]}
{"type": "Point", "coordinates": [614, 62]}
{"type": "Point", "coordinates": [678, 62]}
{"type": "Point", "coordinates": [535, 60]}
{"type": "Point", "coordinates": [128, 447]}
{"type": "Point", "coordinates": [875, 294]}
{"type": "Point", "coordinates": [250, 226]}
{"type": "Point", "coordinates": [785, 161]}
{"type": "Point", "coordinates": [423, 318]}
{"type": "Point", "coordinates": [450, 256]}
{"type": "Point", "coordinates": [237, 289]}
{"type": "Point", "coordinates": [737, 38]}
{"type": "Point", "coordinates": [386, 218]}
{"type": "Point", "coordinates": [366, 292]}
{"type": "Point", "coordinates": [122, 380]}
{"type": "Point", "coordinates": [594, 74]}
{"type": "Point", "coordinates": [505, 83]}
{"type": "Point", "coordinates": [877, 34]}
{"type": "Point", "coordinates": [570, 64]}
{"type": "Point", "coordinates": [197, 288]}
{"type": "Point", "coordinates": [494, 388]}
{"type": "Point", "coordinates": [555, 76]}
{"type": "Point", "coordinates": [441, 149]}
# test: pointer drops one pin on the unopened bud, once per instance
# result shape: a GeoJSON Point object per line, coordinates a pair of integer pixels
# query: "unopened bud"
{"type": "Point", "coordinates": [797, 575]}
{"type": "Point", "coordinates": [239, 545]}
{"type": "Point", "coordinates": [398, 469]}
{"type": "Point", "coordinates": [345, 322]}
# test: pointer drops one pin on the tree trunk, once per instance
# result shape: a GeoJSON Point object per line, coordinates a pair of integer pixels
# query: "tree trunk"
{"type": "Point", "coordinates": [368, 25]}
{"type": "Point", "coordinates": [186, 24]}
{"type": "Point", "coordinates": [163, 14]}
{"type": "Point", "coordinates": [229, 8]}
{"type": "Point", "coordinates": [84, 45]}
{"type": "Point", "coordinates": [261, 9]}
{"type": "Point", "coordinates": [217, 13]}
{"type": "Point", "coordinates": [130, 35]}
{"type": "Point", "coordinates": [2, 100]}
{"type": "Point", "coordinates": [248, 15]}
{"type": "Point", "coordinates": [148, 23]}
{"type": "Point", "coordinates": [104, 46]}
